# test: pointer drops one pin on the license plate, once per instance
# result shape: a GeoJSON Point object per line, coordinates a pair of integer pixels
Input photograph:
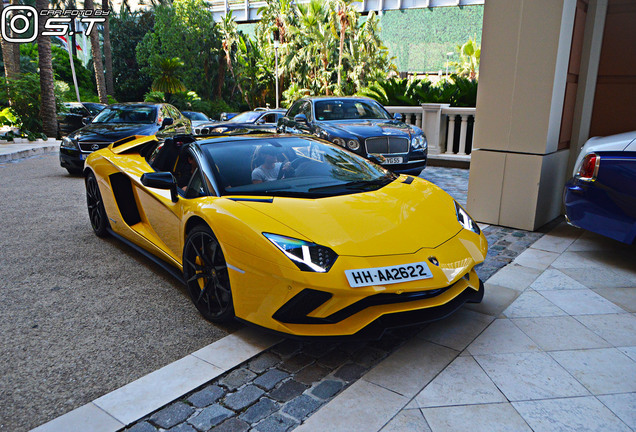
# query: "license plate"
{"type": "Point", "coordinates": [393, 160]}
{"type": "Point", "coordinates": [83, 156]}
{"type": "Point", "coordinates": [388, 275]}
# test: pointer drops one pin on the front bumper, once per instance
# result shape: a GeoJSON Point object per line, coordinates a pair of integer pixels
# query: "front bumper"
{"type": "Point", "coordinates": [414, 162]}
{"type": "Point", "coordinates": [71, 159]}
{"type": "Point", "coordinates": [323, 304]}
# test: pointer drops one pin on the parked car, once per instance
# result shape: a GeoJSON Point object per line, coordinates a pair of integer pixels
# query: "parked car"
{"type": "Point", "coordinates": [196, 118]}
{"type": "Point", "coordinates": [263, 120]}
{"type": "Point", "coordinates": [601, 195]}
{"type": "Point", "coordinates": [120, 121]}
{"type": "Point", "coordinates": [363, 126]}
{"type": "Point", "coordinates": [77, 115]}
{"type": "Point", "coordinates": [398, 250]}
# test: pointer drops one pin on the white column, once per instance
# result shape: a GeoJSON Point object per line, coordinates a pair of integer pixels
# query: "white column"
{"type": "Point", "coordinates": [432, 125]}
{"type": "Point", "coordinates": [418, 120]}
{"type": "Point", "coordinates": [462, 135]}
{"type": "Point", "coordinates": [451, 134]}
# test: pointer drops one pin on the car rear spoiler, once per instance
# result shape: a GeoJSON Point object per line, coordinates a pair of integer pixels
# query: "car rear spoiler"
{"type": "Point", "coordinates": [131, 142]}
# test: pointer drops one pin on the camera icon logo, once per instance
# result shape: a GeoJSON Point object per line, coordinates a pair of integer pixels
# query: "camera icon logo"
{"type": "Point", "coordinates": [19, 23]}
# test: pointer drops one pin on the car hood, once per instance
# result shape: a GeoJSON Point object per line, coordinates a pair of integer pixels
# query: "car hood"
{"type": "Point", "coordinates": [399, 218]}
{"type": "Point", "coordinates": [113, 131]}
{"type": "Point", "coordinates": [370, 128]}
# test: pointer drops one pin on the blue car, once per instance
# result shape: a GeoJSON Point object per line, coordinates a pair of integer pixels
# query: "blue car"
{"type": "Point", "coordinates": [601, 197]}
{"type": "Point", "coordinates": [362, 126]}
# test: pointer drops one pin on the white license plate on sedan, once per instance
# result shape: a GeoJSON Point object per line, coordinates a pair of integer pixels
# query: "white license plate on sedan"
{"type": "Point", "coordinates": [388, 275]}
{"type": "Point", "coordinates": [393, 160]}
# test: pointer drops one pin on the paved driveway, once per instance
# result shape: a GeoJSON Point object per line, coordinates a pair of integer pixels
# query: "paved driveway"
{"type": "Point", "coordinates": [81, 316]}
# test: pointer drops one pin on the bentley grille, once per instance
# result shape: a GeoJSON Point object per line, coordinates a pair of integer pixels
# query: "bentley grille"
{"type": "Point", "coordinates": [387, 145]}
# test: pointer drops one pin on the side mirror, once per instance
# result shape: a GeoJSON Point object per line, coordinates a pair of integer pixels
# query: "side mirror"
{"type": "Point", "coordinates": [398, 117]}
{"type": "Point", "coordinates": [161, 180]}
{"type": "Point", "coordinates": [167, 122]}
{"type": "Point", "coordinates": [260, 121]}
{"type": "Point", "coordinates": [87, 120]}
{"type": "Point", "coordinates": [301, 119]}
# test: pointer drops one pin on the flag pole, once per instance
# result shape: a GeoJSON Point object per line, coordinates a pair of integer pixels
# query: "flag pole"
{"type": "Point", "coordinates": [70, 56]}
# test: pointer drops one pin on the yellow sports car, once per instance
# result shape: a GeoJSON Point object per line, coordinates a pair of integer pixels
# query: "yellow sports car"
{"type": "Point", "coordinates": [290, 233]}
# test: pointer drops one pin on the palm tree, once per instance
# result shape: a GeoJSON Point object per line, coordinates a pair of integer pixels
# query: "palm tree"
{"type": "Point", "coordinates": [11, 68]}
{"type": "Point", "coordinates": [108, 55]}
{"type": "Point", "coordinates": [97, 59]}
{"type": "Point", "coordinates": [229, 37]}
{"type": "Point", "coordinates": [168, 80]}
{"type": "Point", "coordinates": [347, 18]}
{"type": "Point", "coordinates": [47, 81]}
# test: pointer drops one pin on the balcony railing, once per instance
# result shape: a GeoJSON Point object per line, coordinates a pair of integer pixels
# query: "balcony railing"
{"type": "Point", "coordinates": [449, 131]}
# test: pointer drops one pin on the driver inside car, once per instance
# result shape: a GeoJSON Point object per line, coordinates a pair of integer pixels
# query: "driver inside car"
{"type": "Point", "coordinates": [270, 169]}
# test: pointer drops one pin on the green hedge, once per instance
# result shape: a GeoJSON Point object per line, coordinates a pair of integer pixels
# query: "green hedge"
{"type": "Point", "coordinates": [420, 38]}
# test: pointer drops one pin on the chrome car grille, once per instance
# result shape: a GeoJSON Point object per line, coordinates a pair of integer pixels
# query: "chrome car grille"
{"type": "Point", "coordinates": [89, 146]}
{"type": "Point", "coordinates": [387, 145]}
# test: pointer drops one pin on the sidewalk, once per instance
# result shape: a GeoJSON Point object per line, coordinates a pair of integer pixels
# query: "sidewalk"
{"type": "Point", "coordinates": [10, 151]}
{"type": "Point", "coordinates": [551, 348]}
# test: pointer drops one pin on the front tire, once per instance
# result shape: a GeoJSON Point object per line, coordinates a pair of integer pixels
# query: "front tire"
{"type": "Point", "coordinates": [206, 274]}
{"type": "Point", "coordinates": [96, 211]}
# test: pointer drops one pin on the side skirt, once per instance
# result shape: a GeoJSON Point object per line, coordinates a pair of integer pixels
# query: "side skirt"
{"type": "Point", "coordinates": [161, 263]}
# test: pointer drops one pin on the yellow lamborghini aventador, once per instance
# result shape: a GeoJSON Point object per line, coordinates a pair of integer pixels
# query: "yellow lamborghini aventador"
{"type": "Point", "coordinates": [290, 233]}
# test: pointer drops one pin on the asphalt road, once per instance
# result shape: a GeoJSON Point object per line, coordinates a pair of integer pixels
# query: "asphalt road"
{"type": "Point", "coordinates": [79, 316]}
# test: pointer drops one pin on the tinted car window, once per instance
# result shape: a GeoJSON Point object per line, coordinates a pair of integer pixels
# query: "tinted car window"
{"type": "Point", "coordinates": [246, 117]}
{"type": "Point", "coordinates": [343, 109]}
{"type": "Point", "coordinates": [305, 108]}
{"type": "Point", "coordinates": [313, 168]}
{"type": "Point", "coordinates": [94, 108]}
{"type": "Point", "coordinates": [195, 116]}
{"type": "Point", "coordinates": [79, 110]}
{"type": "Point", "coordinates": [127, 114]}
{"type": "Point", "coordinates": [295, 109]}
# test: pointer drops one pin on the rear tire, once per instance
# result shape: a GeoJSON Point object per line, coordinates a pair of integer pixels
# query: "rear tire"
{"type": "Point", "coordinates": [96, 210]}
{"type": "Point", "coordinates": [206, 274]}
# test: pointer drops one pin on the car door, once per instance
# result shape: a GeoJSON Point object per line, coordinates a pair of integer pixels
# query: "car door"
{"type": "Point", "coordinates": [163, 215]}
{"type": "Point", "coordinates": [300, 107]}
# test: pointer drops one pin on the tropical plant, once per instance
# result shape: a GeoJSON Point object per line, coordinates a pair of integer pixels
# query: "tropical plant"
{"type": "Point", "coordinates": [167, 76]}
{"type": "Point", "coordinates": [187, 30]}
{"type": "Point", "coordinates": [469, 54]}
{"type": "Point", "coordinates": [127, 30]}
{"type": "Point", "coordinates": [48, 113]}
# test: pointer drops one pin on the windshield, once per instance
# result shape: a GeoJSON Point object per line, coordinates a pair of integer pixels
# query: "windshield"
{"type": "Point", "coordinates": [291, 166]}
{"type": "Point", "coordinates": [196, 116]}
{"type": "Point", "coordinates": [349, 109]}
{"type": "Point", "coordinates": [127, 114]}
{"type": "Point", "coordinates": [246, 117]}
{"type": "Point", "coordinates": [94, 108]}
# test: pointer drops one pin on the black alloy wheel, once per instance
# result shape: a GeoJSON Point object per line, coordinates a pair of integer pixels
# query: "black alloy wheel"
{"type": "Point", "coordinates": [96, 211]}
{"type": "Point", "coordinates": [206, 274]}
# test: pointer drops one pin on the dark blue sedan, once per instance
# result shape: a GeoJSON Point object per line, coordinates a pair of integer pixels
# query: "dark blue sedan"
{"type": "Point", "coordinates": [601, 197]}
{"type": "Point", "coordinates": [363, 126]}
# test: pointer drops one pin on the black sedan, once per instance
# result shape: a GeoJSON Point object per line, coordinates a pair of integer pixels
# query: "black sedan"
{"type": "Point", "coordinates": [77, 115]}
{"type": "Point", "coordinates": [262, 120]}
{"type": "Point", "coordinates": [363, 126]}
{"type": "Point", "coordinates": [120, 121]}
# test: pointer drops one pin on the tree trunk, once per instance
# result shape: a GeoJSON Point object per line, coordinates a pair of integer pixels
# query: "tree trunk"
{"type": "Point", "coordinates": [97, 59]}
{"type": "Point", "coordinates": [48, 113]}
{"type": "Point", "coordinates": [108, 55]}
{"type": "Point", "coordinates": [16, 46]}
{"type": "Point", "coordinates": [218, 94]}
{"type": "Point", "coordinates": [11, 69]}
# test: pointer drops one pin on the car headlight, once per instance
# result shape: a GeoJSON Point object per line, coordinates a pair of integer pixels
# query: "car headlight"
{"type": "Point", "coordinates": [69, 143]}
{"type": "Point", "coordinates": [353, 144]}
{"type": "Point", "coordinates": [465, 220]}
{"type": "Point", "coordinates": [219, 129]}
{"type": "Point", "coordinates": [339, 141]}
{"type": "Point", "coordinates": [418, 142]}
{"type": "Point", "coordinates": [306, 255]}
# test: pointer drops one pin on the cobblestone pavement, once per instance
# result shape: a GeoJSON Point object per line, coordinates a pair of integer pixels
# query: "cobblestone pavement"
{"type": "Point", "coordinates": [281, 387]}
